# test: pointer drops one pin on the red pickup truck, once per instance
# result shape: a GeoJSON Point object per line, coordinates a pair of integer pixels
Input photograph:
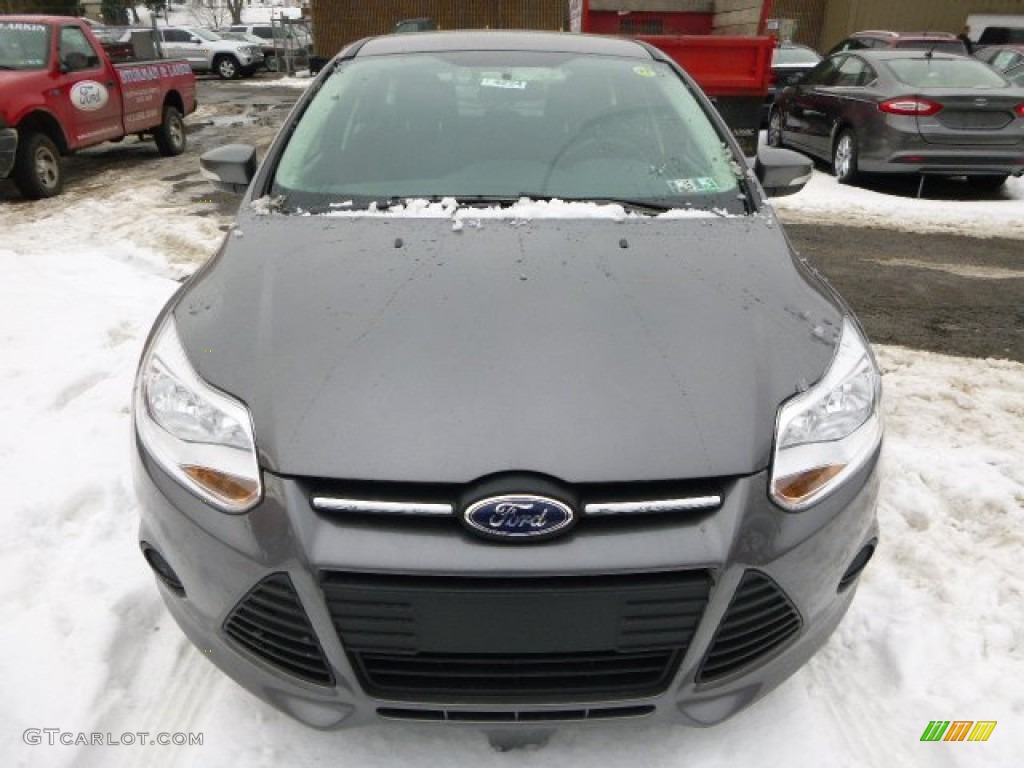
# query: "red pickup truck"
{"type": "Point", "coordinates": [59, 92]}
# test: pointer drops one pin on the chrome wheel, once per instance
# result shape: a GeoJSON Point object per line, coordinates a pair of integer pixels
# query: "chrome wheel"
{"type": "Point", "coordinates": [227, 68]}
{"type": "Point", "coordinates": [844, 157]}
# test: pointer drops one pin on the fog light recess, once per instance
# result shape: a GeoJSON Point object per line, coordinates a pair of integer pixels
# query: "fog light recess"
{"type": "Point", "coordinates": [858, 565]}
{"type": "Point", "coordinates": [163, 569]}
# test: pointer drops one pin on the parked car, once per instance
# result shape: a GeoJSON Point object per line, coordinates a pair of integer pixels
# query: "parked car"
{"type": "Point", "coordinates": [60, 92]}
{"type": "Point", "coordinates": [422, 24]}
{"type": "Point", "coordinates": [279, 41]}
{"type": "Point", "coordinates": [206, 51]}
{"type": "Point", "coordinates": [996, 29]}
{"type": "Point", "coordinates": [905, 112]}
{"type": "Point", "coordinates": [1002, 58]}
{"type": "Point", "coordinates": [790, 62]}
{"type": "Point", "coordinates": [938, 42]}
{"type": "Point", "coordinates": [506, 401]}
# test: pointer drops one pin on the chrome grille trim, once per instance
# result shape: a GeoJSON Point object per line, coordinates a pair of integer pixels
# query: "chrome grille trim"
{"type": "Point", "coordinates": [329, 504]}
{"type": "Point", "coordinates": [650, 507]}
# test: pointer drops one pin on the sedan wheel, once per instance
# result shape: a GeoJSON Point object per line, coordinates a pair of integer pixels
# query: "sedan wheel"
{"type": "Point", "coordinates": [775, 129]}
{"type": "Point", "coordinates": [844, 157]}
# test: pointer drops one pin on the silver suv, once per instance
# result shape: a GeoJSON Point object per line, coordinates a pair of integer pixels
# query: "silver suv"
{"type": "Point", "coordinates": [281, 41]}
{"type": "Point", "coordinates": [206, 51]}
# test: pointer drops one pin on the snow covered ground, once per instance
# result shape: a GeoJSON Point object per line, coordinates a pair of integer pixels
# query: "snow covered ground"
{"type": "Point", "coordinates": [936, 631]}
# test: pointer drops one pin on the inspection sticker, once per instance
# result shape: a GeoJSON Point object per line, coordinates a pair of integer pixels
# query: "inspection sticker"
{"type": "Point", "coordinates": [645, 72]}
{"type": "Point", "coordinates": [494, 82]}
{"type": "Point", "coordinates": [700, 184]}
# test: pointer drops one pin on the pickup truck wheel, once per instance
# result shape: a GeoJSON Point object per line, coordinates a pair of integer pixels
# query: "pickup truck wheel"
{"type": "Point", "coordinates": [226, 67]}
{"type": "Point", "coordinates": [37, 167]}
{"type": "Point", "coordinates": [170, 134]}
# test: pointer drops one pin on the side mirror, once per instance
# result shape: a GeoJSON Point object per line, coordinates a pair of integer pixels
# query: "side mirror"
{"type": "Point", "coordinates": [781, 171]}
{"type": "Point", "coordinates": [194, 40]}
{"type": "Point", "coordinates": [230, 167]}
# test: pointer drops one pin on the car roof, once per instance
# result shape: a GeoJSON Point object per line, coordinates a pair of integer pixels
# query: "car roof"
{"type": "Point", "coordinates": [894, 35]}
{"type": "Point", "coordinates": [892, 54]}
{"type": "Point", "coordinates": [502, 40]}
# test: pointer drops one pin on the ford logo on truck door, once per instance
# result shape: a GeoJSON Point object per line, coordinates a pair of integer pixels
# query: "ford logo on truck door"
{"type": "Point", "coordinates": [88, 96]}
{"type": "Point", "coordinates": [519, 517]}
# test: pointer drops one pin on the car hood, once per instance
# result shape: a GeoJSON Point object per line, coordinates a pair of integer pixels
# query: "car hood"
{"type": "Point", "coordinates": [401, 349]}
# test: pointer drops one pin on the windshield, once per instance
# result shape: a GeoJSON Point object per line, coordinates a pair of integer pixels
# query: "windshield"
{"type": "Point", "coordinates": [946, 73]}
{"type": "Point", "coordinates": [791, 55]}
{"type": "Point", "coordinates": [24, 45]}
{"type": "Point", "coordinates": [498, 126]}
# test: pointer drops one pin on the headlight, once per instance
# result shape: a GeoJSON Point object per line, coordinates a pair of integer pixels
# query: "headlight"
{"type": "Point", "coordinates": [824, 435]}
{"type": "Point", "coordinates": [201, 436]}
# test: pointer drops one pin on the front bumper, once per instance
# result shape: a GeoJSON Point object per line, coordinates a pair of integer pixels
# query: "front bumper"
{"type": "Point", "coordinates": [8, 150]}
{"type": "Point", "coordinates": [284, 553]}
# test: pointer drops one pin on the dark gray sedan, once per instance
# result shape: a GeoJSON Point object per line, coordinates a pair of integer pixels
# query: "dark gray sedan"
{"type": "Point", "coordinates": [506, 402]}
{"type": "Point", "coordinates": [909, 112]}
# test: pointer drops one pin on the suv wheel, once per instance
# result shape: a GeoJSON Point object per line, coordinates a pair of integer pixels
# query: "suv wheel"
{"type": "Point", "coordinates": [226, 67]}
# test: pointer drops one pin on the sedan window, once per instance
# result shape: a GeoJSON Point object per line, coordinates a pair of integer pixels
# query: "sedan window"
{"type": "Point", "coordinates": [825, 73]}
{"type": "Point", "coordinates": [854, 72]}
{"type": "Point", "coordinates": [945, 73]}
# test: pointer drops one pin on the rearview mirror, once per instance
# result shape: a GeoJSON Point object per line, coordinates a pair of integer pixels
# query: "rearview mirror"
{"type": "Point", "coordinates": [781, 171]}
{"type": "Point", "coordinates": [230, 167]}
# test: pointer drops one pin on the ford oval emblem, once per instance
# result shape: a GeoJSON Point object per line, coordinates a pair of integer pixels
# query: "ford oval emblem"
{"type": "Point", "coordinates": [88, 95]}
{"type": "Point", "coordinates": [519, 517]}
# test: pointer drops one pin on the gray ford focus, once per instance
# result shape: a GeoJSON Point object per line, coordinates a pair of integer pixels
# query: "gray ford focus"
{"type": "Point", "coordinates": [506, 401]}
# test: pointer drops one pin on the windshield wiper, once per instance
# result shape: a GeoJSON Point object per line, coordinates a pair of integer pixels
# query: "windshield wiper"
{"type": "Point", "coordinates": [640, 206]}
{"type": "Point", "coordinates": [354, 203]}
{"type": "Point", "coordinates": [637, 206]}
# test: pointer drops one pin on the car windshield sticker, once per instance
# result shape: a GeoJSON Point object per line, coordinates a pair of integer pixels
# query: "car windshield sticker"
{"type": "Point", "coordinates": [645, 72]}
{"type": "Point", "coordinates": [700, 184]}
{"type": "Point", "coordinates": [494, 82]}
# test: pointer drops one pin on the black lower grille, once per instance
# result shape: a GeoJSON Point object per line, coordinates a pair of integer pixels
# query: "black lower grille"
{"type": "Point", "coordinates": [270, 623]}
{"type": "Point", "coordinates": [529, 675]}
{"type": "Point", "coordinates": [759, 619]}
{"type": "Point", "coordinates": [516, 639]}
{"type": "Point", "coordinates": [535, 716]}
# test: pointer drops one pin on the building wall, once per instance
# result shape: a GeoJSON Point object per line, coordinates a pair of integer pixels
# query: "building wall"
{"type": "Point", "coordinates": [737, 17]}
{"type": "Point", "coordinates": [809, 16]}
{"type": "Point", "coordinates": [339, 22]}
